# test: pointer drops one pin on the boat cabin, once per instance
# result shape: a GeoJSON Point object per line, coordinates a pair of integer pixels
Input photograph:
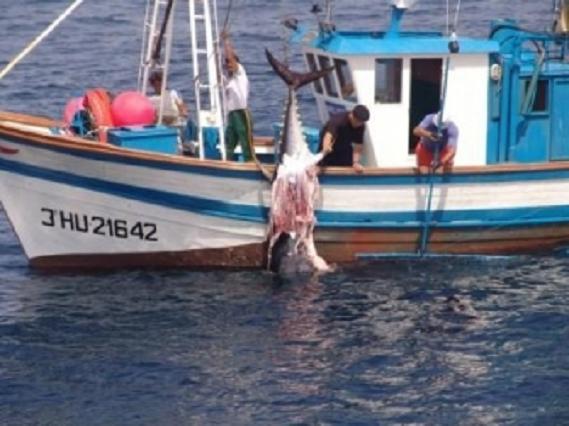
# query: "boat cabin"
{"type": "Point", "coordinates": [528, 119]}
{"type": "Point", "coordinates": [504, 93]}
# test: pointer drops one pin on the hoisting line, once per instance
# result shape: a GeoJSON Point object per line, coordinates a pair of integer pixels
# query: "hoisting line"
{"type": "Point", "coordinates": [436, 157]}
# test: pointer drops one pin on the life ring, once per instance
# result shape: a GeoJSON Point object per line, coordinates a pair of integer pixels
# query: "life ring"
{"type": "Point", "coordinates": [98, 103]}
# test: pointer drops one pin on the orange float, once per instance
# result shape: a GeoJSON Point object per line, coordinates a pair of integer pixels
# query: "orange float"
{"type": "Point", "coordinates": [98, 103]}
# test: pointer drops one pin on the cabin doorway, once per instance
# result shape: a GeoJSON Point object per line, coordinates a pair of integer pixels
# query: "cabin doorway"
{"type": "Point", "coordinates": [426, 77]}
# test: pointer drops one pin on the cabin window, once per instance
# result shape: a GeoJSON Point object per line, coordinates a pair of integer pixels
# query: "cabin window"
{"type": "Point", "coordinates": [329, 80]}
{"type": "Point", "coordinates": [344, 74]}
{"type": "Point", "coordinates": [313, 67]}
{"type": "Point", "coordinates": [541, 97]}
{"type": "Point", "coordinates": [388, 80]}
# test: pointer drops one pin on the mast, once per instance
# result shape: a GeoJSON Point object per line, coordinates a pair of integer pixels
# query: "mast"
{"type": "Point", "coordinates": [207, 76]}
{"type": "Point", "coordinates": [206, 66]}
{"type": "Point", "coordinates": [154, 37]}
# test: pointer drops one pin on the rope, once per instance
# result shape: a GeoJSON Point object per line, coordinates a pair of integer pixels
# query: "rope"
{"type": "Point", "coordinates": [39, 38]}
{"type": "Point", "coordinates": [227, 15]}
{"type": "Point", "coordinates": [428, 210]}
{"type": "Point", "coordinates": [451, 28]}
{"type": "Point", "coordinates": [531, 90]}
{"type": "Point", "coordinates": [442, 100]}
{"type": "Point", "coordinates": [447, 18]}
{"type": "Point", "coordinates": [427, 221]}
{"type": "Point", "coordinates": [456, 13]}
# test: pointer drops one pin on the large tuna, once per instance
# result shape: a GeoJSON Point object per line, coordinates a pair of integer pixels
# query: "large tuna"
{"type": "Point", "coordinates": [295, 187]}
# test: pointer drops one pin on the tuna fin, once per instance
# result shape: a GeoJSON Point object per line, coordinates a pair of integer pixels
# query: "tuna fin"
{"type": "Point", "coordinates": [293, 79]}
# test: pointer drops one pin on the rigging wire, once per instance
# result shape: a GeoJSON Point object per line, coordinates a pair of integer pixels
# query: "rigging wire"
{"type": "Point", "coordinates": [452, 26]}
{"type": "Point", "coordinates": [225, 27]}
{"type": "Point", "coordinates": [453, 48]}
{"type": "Point", "coordinates": [39, 39]}
{"type": "Point", "coordinates": [448, 17]}
{"type": "Point", "coordinates": [456, 14]}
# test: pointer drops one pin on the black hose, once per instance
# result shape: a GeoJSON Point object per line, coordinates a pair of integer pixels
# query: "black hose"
{"type": "Point", "coordinates": [158, 48]}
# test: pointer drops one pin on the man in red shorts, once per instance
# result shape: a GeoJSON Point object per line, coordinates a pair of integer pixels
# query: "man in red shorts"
{"type": "Point", "coordinates": [437, 144]}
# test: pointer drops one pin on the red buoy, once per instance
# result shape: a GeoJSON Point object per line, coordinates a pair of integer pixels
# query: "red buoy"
{"type": "Point", "coordinates": [132, 109]}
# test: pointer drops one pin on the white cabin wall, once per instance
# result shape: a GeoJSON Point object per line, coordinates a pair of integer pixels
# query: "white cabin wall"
{"type": "Point", "coordinates": [387, 137]}
{"type": "Point", "coordinates": [467, 105]}
{"type": "Point", "coordinates": [363, 73]}
{"type": "Point", "coordinates": [387, 130]}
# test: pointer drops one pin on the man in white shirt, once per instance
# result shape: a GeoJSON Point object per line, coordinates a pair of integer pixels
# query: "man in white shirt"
{"type": "Point", "coordinates": [175, 111]}
{"type": "Point", "coordinates": [239, 124]}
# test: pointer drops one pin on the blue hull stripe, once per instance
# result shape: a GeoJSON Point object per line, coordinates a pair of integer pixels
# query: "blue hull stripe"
{"type": "Point", "coordinates": [514, 217]}
{"type": "Point", "coordinates": [149, 196]}
{"type": "Point", "coordinates": [158, 164]}
{"type": "Point", "coordinates": [403, 179]}
{"type": "Point", "coordinates": [454, 178]}
{"type": "Point", "coordinates": [456, 219]}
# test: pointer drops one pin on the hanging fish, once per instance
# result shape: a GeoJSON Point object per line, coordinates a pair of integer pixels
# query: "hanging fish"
{"type": "Point", "coordinates": [295, 187]}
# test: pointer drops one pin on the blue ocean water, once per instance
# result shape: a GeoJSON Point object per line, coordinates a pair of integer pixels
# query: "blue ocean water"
{"type": "Point", "coordinates": [373, 343]}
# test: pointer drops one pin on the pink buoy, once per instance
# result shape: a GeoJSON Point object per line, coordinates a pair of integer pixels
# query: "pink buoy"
{"type": "Point", "coordinates": [73, 105]}
{"type": "Point", "coordinates": [132, 109]}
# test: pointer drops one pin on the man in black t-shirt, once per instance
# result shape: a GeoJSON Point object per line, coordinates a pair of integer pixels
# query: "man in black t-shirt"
{"type": "Point", "coordinates": [342, 138]}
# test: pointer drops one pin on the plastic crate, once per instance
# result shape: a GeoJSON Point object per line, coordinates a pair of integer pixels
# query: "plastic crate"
{"type": "Point", "coordinates": [146, 138]}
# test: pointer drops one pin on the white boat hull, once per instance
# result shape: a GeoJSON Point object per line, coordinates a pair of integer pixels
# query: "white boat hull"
{"type": "Point", "coordinates": [73, 204]}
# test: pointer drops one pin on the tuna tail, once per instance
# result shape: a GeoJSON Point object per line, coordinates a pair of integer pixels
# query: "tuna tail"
{"type": "Point", "coordinates": [293, 79]}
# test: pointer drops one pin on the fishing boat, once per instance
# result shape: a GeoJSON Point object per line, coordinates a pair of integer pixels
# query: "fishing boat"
{"type": "Point", "coordinates": [135, 200]}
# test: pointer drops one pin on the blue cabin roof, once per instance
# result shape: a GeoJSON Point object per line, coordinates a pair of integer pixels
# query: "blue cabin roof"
{"type": "Point", "coordinates": [400, 43]}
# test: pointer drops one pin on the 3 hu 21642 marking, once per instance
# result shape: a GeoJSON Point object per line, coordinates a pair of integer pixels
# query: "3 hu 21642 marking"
{"type": "Point", "coordinates": [98, 225]}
